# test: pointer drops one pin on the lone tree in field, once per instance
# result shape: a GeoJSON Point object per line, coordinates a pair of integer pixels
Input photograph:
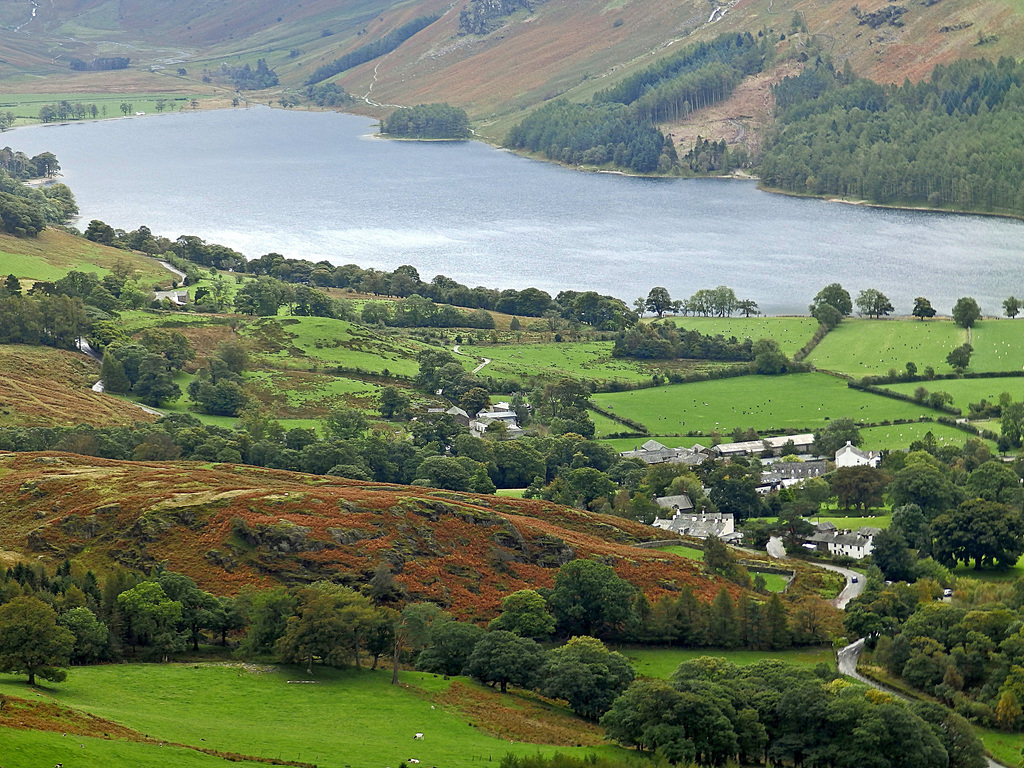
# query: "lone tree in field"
{"type": "Point", "coordinates": [960, 357]}
{"type": "Point", "coordinates": [873, 303]}
{"type": "Point", "coordinates": [31, 642]}
{"type": "Point", "coordinates": [966, 312]}
{"type": "Point", "coordinates": [1011, 306]}
{"type": "Point", "coordinates": [923, 308]}
{"type": "Point", "coordinates": [658, 301]}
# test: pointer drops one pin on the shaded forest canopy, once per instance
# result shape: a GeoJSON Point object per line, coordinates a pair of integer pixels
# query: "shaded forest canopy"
{"type": "Point", "coordinates": [370, 51]}
{"type": "Point", "coordinates": [956, 139]}
{"type": "Point", "coordinates": [427, 121]}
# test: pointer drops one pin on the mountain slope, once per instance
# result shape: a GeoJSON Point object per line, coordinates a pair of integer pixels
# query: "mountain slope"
{"type": "Point", "coordinates": [231, 526]}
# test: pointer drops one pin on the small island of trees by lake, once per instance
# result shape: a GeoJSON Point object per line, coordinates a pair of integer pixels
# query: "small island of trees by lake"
{"type": "Point", "coordinates": [427, 121]}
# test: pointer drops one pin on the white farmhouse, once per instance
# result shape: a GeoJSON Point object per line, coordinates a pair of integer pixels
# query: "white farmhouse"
{"type": "Point", "coordinates": [852, 456]}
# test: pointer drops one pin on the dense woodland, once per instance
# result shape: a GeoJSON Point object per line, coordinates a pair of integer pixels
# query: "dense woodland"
{"type": "Point", "coordinates": [954, 139]}
{"type": "Point", "coordinates": [618, 127]}
{"type": "Point", "coordinates": [427, 121]}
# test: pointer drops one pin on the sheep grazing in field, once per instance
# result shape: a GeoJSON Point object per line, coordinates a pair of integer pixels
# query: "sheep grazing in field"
{"type": "Point", "coordinates": [413, 760]}
{"type": "Point", "coordinates": [417, 736]}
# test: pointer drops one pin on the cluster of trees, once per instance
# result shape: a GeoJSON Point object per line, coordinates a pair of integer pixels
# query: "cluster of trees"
{"type": "Point", "coordinates": [25, 211]}
{"type": "Point", "coordinates": [427, 121]}
{"type": "Point", "coordinates": [948, 140]}
{"type": "Point", "coordinates": [370, 51]}
{"type": "Point", "coordinates": [707, 302]}
{"type": "Point", "coordinates": [146, 367]}
{"type": "Point", "coordinates": [968, 652]}
{"type": "Point", "coordinates": [661, 341]}
{"type": "Point", "coordinates": [218, 386]}
{"type": "Point", "coordinates": [102, 64]}
{"type": "Point", "coordinates": [52, 321]}
{"type": "Point", "coordinates": [713, 712]}
{"type": "Point", "coordinates": [245, 78]}
{"type": "Point", "coordinates": [328, 95]}
{"type": "Point", "coordinates": [66, 110]}
{"type": "Point", "coordinates": [594, 135]}
{"type": "Point", "coordinates": [419, 312]}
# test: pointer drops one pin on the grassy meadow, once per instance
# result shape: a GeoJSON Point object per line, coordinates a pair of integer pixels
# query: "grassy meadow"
{"type": "Point", "coordinates": [900, 436]}
{"type": "Point", "coordinates": [998, 345]}
{"type": "Point", "coordinates": [579, 360]}
{"type": "Point", "coordinates": [53, 254]}
{"type": "Point", "coordinates": [791, 332]}
{"type": "Point", "coordinates": [967, 391]}
{"type": "Point", "coordinates": [346, 717]}
{"type": "Point", "coordinates": [861, 347]}
{"type": "Point", "coordinates": [804, 401]}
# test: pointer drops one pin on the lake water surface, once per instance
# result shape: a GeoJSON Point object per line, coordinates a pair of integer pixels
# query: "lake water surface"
{"type": "Point", "coordinates": [317, 185]}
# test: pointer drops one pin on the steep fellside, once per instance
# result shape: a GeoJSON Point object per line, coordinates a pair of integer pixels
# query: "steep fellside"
{"type": "Point", "coordinates": [230, 526]}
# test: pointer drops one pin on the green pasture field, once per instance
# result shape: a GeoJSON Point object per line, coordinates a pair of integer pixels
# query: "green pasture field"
{"type": "Point", "coordinates": [577, 360]}
{"type": "Point", "coordinates": [1012, 573]}
{"type": "Point", "coordinates": [691, 553]}
{"type": "Point", "coordinates": [877, 521]}
{"type": "Point", "coordinates": [338, 342]}
{"type": "Point", "coordinates": [133, 321]}
{"type": "Point", "coordinates": [803, 401]}
{"type": "Point", "coordinates": [998, 345]}
{"type": "Point", "coordinates": [791, 332]}
{"type": "Point", "coordinates": [510, 493]}
{"type": "Point", "coordinates": [967, 391]}
{"type": "Point", "coordinates": [1005, 747]}
{"type": "Point", "coordinates": [26, 106]}
{"type": "Point", "coordinates": [26, 749]}
{"type": "Point", "coordinates": [605, 426]}
{"type": "Point", "coordinates": [348, 717]}
{"type": "Point", "coordinates": [662, 662]}
{"type": "Point", "coordinates": [900, 436]}
{"type": "Point", "coordinates": [315, 390]}
{"type": "Point", "coordinates": [54, 253]}
{"type": "Point", "coordinates": [861, 347]}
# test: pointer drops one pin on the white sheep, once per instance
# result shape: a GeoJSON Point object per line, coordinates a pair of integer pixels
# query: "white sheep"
{"type": "Point", "coordinates": [417, 736]}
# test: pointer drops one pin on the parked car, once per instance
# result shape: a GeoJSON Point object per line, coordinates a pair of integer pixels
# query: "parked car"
{"type": "Point", "coordinates": [947, 593]}
{"type": "Point", "coordinates": [855, 579]}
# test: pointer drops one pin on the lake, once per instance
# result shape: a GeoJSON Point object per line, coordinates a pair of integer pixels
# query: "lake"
{"type": "Point", "coordinates": [318, 185]}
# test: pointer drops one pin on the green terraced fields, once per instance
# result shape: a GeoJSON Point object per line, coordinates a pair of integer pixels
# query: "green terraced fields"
{"type": "Point", "coordinates": [804, 401]}
{"type": "Point", "coordinates": [900, 436]}
{"type": "Point", "coordinates": [862, 347]}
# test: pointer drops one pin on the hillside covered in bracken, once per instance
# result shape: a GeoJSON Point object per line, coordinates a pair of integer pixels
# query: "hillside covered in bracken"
{"type": "Point", "coordinates": [229, 527]}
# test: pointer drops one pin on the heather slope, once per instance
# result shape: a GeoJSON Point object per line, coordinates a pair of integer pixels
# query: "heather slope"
{"type": "Point", "coordinates": [231, 526]}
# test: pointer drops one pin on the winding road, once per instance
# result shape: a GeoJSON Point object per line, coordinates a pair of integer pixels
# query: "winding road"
{"type": "Point", "coordinates": [480, 367]}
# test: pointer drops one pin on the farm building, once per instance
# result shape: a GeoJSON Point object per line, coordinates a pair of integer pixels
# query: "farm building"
{"type": "Point", "coordinates": [783, 474]}
{"type": "Point", "coordinates": [769, 446]}
{"type": "Point", "coordinates": [828, 538]}
{"type": "Point", "coordinates": [501, 413]}
{"type": "Point", "coordinates": [700, 524]}
{"type": "Point", "coordinates": [852, 456]}
{"type": "Point", "coordinates": [653, 452]}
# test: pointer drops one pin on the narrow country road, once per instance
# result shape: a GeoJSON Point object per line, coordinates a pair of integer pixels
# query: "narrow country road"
{"type": "Point", "coordinates": [480, 367]}
{"type": "Point", "coordinates": [854, 582]}
{"type": "Point", "coordinates": [847, 661]}
{"type": "Point", "coordinates": [169, 268]}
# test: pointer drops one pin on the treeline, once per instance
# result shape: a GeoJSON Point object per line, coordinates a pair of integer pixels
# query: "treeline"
{"type": "Point", "coordinates": [427, 121]}
{"type": "Point", "coordinates": [370, 51]}
{"type": "Point", "coordinates": [617, 127]}
{"type": "Point", "coordinates": [588, 307]}
{"type": "Point", "coordinates": [52, 321]}
{"type": "Point", "coordinates": [99, 65]}
{"type": "Point", "coordinates": [662, 341]}
{"type": "Point", "coordinates": [953, 140]}
{"type": "Point", "coordinates": [66, 110]}
{"type": "Point", "coordinates": [419, 312]}
{"type": "Point", "coordinates": [245, 78]}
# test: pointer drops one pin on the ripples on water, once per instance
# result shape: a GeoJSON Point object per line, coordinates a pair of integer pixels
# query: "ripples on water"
{"type": "Point", "coordinates": [318, 186]}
